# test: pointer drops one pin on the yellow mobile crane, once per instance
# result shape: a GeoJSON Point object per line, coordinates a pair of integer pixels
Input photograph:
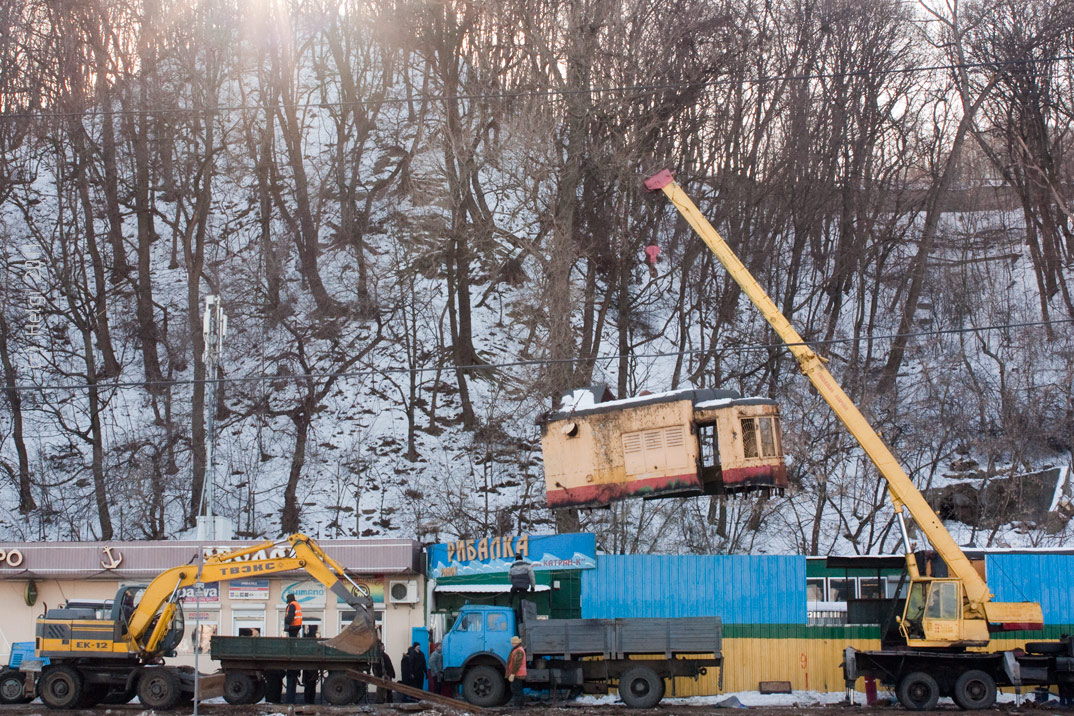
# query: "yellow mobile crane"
{"type": "Point", "coordinates": [944, 619]}
{"type": "Point", "coordinates": [91, 653]}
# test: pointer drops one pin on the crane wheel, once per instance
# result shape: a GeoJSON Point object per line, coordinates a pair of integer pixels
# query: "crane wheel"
{"type": "Point", "coordinates": [918, 691]}
{"type": "Point", "coordinates": [975, 690]}
{"type": "Point", "coordinates": [159, 688]}
{"type": "Point", "coordinates": [61, 687]}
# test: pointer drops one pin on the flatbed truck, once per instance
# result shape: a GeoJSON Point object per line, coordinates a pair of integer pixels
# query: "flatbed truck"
{"type": "Point", "coordinates": [577, 655]}
{"type": "Point", "coordinates": [252, 663]}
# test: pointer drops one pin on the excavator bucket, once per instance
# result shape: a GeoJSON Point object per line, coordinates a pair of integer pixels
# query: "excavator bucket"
{"type": "Point", "coordinates": [357, 637]}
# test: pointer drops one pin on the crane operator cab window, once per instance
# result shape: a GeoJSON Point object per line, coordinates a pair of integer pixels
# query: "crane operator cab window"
{"type": "Point", "coordinates": [933, 611]}
{"type": "Point", "coordinates": [912, 626]}
{"type": "Point", "coordinates": [942, 611]}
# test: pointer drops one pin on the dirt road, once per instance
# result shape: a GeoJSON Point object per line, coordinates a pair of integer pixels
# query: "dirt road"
{"type": "Point", "coordinates": [531, 709]}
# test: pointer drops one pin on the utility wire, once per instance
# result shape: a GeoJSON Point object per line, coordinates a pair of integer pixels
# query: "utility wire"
{"type": "Point", "coordinates": [477, 367]}
{"type": "Point", "coordinates": [532, 94]}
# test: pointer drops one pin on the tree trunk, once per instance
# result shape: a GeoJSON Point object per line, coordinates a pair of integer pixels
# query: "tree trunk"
{"type": "Point", "coordinates": [14, 399]}
{"type": "Point", "coordinates": [290, 520]}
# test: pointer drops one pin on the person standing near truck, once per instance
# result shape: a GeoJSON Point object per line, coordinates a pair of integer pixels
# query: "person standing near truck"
{"type": "Point", "coordinates": [516, 671]}
{"type": "Point", "coordinates": [521, 576]}
{"type": "Point", "coordinates": [386, 672]}
{"type": "Point", "coordinates": [292, 618]}
{"type": "Point", "coordinates": [309, 676]}
{"type": "Point", "coordinates": [292, 624]}
{"type": "Point", "coordinates": [436, 668]}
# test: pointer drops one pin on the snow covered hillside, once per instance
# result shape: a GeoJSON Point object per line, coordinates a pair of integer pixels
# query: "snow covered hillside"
{"type": "Point", "coordinates": [426, 221]}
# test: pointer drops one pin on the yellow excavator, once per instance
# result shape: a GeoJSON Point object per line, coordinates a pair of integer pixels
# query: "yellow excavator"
{"type": "Point", "coordinates": [947, 621]}
{"type": "Point", "coordinates": [93, 653]}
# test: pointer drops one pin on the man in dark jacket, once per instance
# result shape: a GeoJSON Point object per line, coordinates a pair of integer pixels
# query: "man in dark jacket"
{"type": "Point", "coordinates": [386, 671]}
{"type": "Point", "coordinates": [413, 668]}
{"type": "Point", "coordinates": [419, 666]}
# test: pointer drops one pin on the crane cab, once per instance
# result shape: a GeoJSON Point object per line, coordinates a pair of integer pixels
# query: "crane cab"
{"type": "Point", "coordinates": [676, 444]}
{"type": "Point", "coordinates": [937, 615]}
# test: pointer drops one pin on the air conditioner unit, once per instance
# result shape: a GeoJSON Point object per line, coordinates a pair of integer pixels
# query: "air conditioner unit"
{"type": "Point", "coordinates": [403, 591]}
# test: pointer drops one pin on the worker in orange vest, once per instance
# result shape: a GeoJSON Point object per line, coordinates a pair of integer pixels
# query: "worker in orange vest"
{"type": "Point", "coordinates": [292, 618]}
{"type": "Point", "coordinates": [516, 671]}
{"type": "Point", "coordinates": [292, 624]}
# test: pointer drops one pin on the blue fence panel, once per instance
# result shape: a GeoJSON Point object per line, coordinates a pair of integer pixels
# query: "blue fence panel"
{"type": "Point", "coordinates": [1044, 578]}
{"type": "Point", "coordinates": [741, 589]}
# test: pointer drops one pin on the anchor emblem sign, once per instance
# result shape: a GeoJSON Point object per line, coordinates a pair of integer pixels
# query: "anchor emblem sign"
{"type": "Point", "coordinates": [113, 559]}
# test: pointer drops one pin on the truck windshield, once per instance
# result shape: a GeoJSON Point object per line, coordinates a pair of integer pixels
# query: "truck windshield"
{"type": "Point", "coordinates": [468, 622]}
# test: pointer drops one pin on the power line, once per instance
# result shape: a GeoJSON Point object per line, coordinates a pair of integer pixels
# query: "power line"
{"type": "Point", "coordinates": [535, 94]}
{"type": "Point", "coordinates": [478, 367]}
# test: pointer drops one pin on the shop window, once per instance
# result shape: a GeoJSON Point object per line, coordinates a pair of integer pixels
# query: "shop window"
{"type": "Point", "coordinates": [815, 590]}
{"type": "Point", "coordinates": [840, 590]}
{"type": "Point", "coordinates": [247, 622]}
{"type": "Point", "coordinates": [208, 622]}
{"type": "Point", "coordinates": [346, 617]}
{"type": "Point", "coordinates": [309, 616]}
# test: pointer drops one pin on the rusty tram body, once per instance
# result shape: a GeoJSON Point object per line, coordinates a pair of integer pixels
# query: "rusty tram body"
{"type": "Point", "coordinates": [676, 444]}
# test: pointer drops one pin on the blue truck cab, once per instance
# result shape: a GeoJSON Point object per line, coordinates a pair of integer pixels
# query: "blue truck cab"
{"type": "Point", "coordinates": [475, 652]}
{"type": "Point", "coordinates": [479, 633]}
{"type": "Point", "coordinates": [12, 680]}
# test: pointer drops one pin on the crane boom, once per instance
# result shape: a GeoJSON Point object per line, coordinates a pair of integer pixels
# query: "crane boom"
{"type": "Point", "coordinates": [901, 488]}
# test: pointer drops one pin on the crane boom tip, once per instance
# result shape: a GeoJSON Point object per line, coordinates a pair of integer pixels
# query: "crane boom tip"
{"type": "Point", "coordinates": [659, 180]}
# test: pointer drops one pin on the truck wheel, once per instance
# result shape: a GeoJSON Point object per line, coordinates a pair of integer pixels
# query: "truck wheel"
{"type": "Point", "coordinates": [12, 684]}
{"type": "Point", "coordinates": [917, 691]}
{"type": "Point", "coordinates": [260, 688]}
{"type": "Point", "coordinates": [641, 688]}
{"type": "Point", "coordinates": [238, 688]}
{"type": "Point", "coordinates": [159, 688]}
{"type": "Point", "coordinates": [338, 689]}
{"type": "Point", "coordinates": [483, 686]}
{"type": "Point", "coordinates": [60, 687]}
{"type": "Point", "coordinates": [975, 690]}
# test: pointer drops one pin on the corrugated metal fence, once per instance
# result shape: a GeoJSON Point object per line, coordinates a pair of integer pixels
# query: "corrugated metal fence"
{"type": "Point", "coordinates": [1044, 578]}
{"type": "Point", "coordinates": [740, 589]}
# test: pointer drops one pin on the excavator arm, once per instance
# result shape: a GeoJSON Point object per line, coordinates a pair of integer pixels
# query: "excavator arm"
{"type": "Point", "coordinates": [904, 494]}
{"type": "Point", "coordinates": [152, 617]}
